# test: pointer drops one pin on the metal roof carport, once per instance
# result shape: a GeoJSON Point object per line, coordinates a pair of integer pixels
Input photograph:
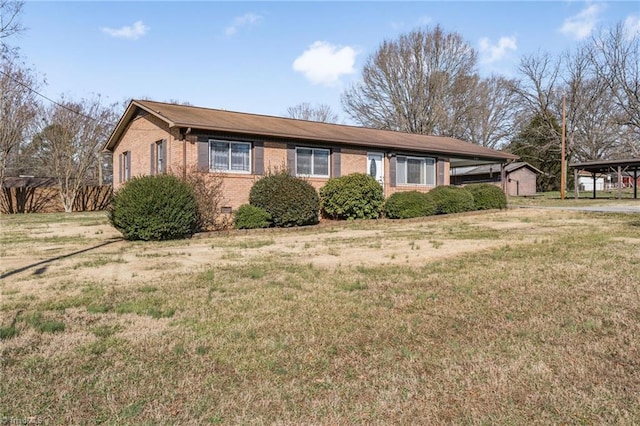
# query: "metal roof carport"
{"type": "Point", "coordinates": [606, 166]}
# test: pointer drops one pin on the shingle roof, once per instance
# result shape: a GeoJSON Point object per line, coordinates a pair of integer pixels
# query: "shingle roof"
{"type": "Point", "coordinates": [485, 169]}
{"type": "Point", "coordinates": [288, 128]}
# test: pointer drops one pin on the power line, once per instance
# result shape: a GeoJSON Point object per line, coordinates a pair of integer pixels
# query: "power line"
{"type": "Point", "coordinates": [47, 98]}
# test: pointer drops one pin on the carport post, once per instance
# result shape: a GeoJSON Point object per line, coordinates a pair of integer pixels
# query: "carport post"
{"type": "Point", "coordinates": [619, 182]}
{"type": "Point", "coordinates": [635, 183]}
{"type": "Point", "coordinates": [594, 184]}
{"type": "Point", "coordinates": [575, 184]}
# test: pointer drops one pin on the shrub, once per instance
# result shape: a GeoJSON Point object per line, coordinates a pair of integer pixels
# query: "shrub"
{"type": "Point", "coordinates": [487, 196]}
{"type": "Point", "coordinates": [289, 200]}
{"type": "Point", "coordinates": [404, 205]}
{"type": "Point", "coordinates": [154, 208]}
{"type": "Point", "coordinates": [251, 217]}
{"type": "Point", "coordinates": [207, 188]}
{"type": "Point", "coordinates": [354, 196]}
{"type": "Point", "coordinates": [451, 199]}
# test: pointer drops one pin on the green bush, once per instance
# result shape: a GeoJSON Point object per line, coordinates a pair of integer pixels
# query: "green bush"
{"type": "Point", "coordinates": [289, 200]}
{"type": "Point", "coordinates": [354, 196]}
{"type": "Point", "coordinates": [487, 196]}
{"type": "Point", "coordinates": [405, 205]}
{"type": "Point", "coordinates": [154, 208]}
{"type": "Point", "coordinates": [451, 199]}
{"type": "Point", "coordinates": [251, 217]}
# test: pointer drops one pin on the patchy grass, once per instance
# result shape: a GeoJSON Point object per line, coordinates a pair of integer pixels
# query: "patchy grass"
{"type": "Point", "coordinates": [552, 198]}
{"type": "Point", "coordinates": [540, 325]}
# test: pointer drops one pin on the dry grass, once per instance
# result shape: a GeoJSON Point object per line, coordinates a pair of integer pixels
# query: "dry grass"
{"type": "Point", "coordinates": [512, 317]}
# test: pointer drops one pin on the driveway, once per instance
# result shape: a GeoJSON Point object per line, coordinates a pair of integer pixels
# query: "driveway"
{"type": "Point", "coordinates": [601, 209]}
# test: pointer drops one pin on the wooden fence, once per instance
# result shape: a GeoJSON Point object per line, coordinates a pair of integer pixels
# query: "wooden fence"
{"type": "Point", "coordinates": [46, 199]}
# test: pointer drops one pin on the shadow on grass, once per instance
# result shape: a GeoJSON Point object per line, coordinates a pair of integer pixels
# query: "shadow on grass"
{"type": "Point", "coordinates": [44, 264]}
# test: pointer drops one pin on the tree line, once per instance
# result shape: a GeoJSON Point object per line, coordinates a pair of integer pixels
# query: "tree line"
{"type": "Point", "coordinates": [427, 81]}
{"type": "Point", "coordinates": [61, 139]}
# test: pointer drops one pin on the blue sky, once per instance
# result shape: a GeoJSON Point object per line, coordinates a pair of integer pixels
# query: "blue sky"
{"type": "Point", "coordinates": [263, 57]}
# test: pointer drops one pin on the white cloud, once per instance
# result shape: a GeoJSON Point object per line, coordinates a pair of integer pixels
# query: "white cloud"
{"type": "Point", "coordinates": [133, 32]}
{"type": "Point", "coordinates": [632, 26]}
{"type": "Point", "coordinates": [581, 25]}
{"type": "Point", "coordinates": [491, 53]}
{"type": "Point", "coordinates": [424, 20]}
{"type": "Point", "coordinates": [324, 63]}
{"type": "Point", "coordinates": [246, 20]}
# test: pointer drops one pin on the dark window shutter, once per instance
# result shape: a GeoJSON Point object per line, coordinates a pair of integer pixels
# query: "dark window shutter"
{"type": "Point", "coordinates": [120, 171]}
{"type": "Point", "coordinates": [392, 171]}
{"type": "Point", "coordinates": [203, 156]}
{"type": "Point", "coordinates": [440, 171]}
{"type": "Point", "coordinates": [152, 159]}
{"type": "Point", "coordinates": [291, 159]}
{"type": "Point", "coordinates": [258, 158]}
{"type": "Point", "coordinates": [336, 162]}
{"type": "Point", "coordinates": [163, 148]}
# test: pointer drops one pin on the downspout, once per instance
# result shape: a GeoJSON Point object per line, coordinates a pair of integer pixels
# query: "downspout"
{"type": "Point", "coordinates": [184, 152]}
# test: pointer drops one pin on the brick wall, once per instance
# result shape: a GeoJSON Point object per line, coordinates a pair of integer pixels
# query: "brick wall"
{"type": "Point", "coordinates": [137, 139]}
{"type": "Point", "coordinates": [182, 153]}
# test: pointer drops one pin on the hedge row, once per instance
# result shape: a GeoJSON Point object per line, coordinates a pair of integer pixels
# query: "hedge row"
{"type": "Point", "coordinates": [165, 207]}
{"type": "Point", "coordinates": [445, 200]}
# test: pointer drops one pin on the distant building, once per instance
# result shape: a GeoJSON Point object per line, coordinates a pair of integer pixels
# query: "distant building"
{"type": "Point", "coordinates": [520, 177]}
{"type": "Point", "coordinates": [586, 182]}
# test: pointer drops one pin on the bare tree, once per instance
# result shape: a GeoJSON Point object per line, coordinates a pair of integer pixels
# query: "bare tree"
{"type": "Point", "coordinates": [415, 84]}
{"type": "Point", "coordinates": [9, 22]}
{"type": "Point", "coordinates": [616, 58]}
{"type": "Point", "coordinates": [306, 111]}
{"type": "Point", "coordinates": [69, 146]}
{"type": "Point", "coordinates": [491, 122]}
{"type": "Point", "coordinates": [591, 124]}
{"type": "Point", "coordinates": [18, 110]}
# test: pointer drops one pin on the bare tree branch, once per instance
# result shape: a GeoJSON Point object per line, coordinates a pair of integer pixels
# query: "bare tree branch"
{"type": "Point", "coordinates": [18, 110]}
{"type": "Point", "coordinates": [69, 146]}
{"type": "Point", "coordinates": [306, 111]}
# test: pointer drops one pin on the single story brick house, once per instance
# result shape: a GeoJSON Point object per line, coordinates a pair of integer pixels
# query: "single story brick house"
{"type": "Point", "coordinates": [154, 137]}
{"type": "Point", "coordinates": [519, 177]}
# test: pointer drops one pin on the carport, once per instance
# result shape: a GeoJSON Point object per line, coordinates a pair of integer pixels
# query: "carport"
{"type": "Point", "coordinates": [621, 168]}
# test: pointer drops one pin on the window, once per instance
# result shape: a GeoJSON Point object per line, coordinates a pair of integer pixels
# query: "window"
{"type": "Point", "coordinates": [126, 166]}
{"type": "Point", "coordinates": [160, 154]}
{"type": "Point", "coordinates": [415, 171]}
{"type": "Point", "coordinates": [312, 162]}
{"type": "Point", "coordinates": [230, 156]}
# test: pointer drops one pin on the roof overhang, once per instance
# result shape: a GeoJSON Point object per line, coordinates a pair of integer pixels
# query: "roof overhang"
{"type": "Point", "coordinates": [203, 119]}
{"type": "Point", "coordinates": [607, 166]}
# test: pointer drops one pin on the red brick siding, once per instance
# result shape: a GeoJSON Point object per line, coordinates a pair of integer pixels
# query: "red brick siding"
{"type": "Point", "coordinates": [142, 132]}
{"type": "Point", "coordinates": [146, 130]}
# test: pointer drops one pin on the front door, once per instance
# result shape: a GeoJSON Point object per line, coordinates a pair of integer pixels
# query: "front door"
{"type": "Point", "coordinates": [375, 166]}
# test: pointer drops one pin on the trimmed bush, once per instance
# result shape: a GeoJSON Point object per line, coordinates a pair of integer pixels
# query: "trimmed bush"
{"type": "Point", "coordinates": [289, 200]}
{"type": "Point", "coordinates": [487, 196]}
{"type": "Point", "coordinates": [451, 199]}
{"type": "Point", "coordinates": [405, 205]}
{"type": "Point", "coordinates": [251, 217]}
{"type": "Point", "coordinates": [154, 208]}
{"type": "Point", "coordinates": [354, 196]}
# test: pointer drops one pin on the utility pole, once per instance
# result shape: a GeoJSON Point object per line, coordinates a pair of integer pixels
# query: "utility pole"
{"type": "Point", "coordinates": [563, 166]}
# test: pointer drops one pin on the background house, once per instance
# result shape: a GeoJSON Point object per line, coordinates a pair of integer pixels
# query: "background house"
{"type": "Point", "coordinates": [520, 177]}
{"type": "Point", "coordinates": [154, 137]}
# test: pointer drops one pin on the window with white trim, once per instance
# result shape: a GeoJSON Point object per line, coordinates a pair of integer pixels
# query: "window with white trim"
{"type": "Point", "coordinates": [126, 166]}
{"type": "Point", "coordinates": [312, 162]}
{"type": "Point", "coordinates": [160, 161]}
{"type": "Point", "coordinates": [415, 170]}
{"type": "Point", "coordinates": [229, 156]}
